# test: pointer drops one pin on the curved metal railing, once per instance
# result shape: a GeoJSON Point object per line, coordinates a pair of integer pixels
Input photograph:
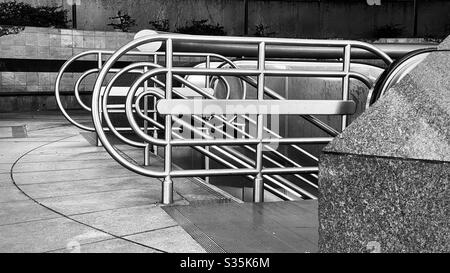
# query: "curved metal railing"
{"type": "Point", "coordinates": [396, 71]}
{"type": "Point", "coordinates": [98, 55]}
{"type": "Point", "coordinates": [253, 77]}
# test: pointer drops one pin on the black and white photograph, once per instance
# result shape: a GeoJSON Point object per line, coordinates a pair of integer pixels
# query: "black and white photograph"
{"type": "Point", "coordinates": [221, 134]}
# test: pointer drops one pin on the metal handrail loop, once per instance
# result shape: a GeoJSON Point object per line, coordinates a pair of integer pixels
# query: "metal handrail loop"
{"type": "Point", "coordinates": [260, 73]}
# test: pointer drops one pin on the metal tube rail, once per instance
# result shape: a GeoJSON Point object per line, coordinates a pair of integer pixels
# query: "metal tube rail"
{"type": "Point", "coordinates": [129, 103]}
{"type": "Point", "coordinates": [236, 154]}
{"type": "Point", "coordinates": [99, 54]}
{"type": "Point", "coordinates": [280, 51]}
{"type": "Point", "coordinates": [105, 109]}
{"type": "Point", "coordinates": [247, 162]}
{"type": "Point", "coordinates": [216, 148]}
{"type": "Point", "coordinates": [168, 173]}
{"type": "Point", "coordinates": [277, 140]}
{"type": "Point", "coordinates": [249, 80]}
{"type": "Point", "coordinates": [133, 66]}
{"type": "Point", "coordinates": [313, 120]}
{"type": "Point", "coordinates": [230, 153]}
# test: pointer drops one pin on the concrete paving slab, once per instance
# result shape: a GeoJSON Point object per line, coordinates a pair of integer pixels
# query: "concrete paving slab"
{"type": "Point", "coordinates": [10, 194]}
{"type": "Point", "coordinates": [84, 203]}
{"type": "Point", "coordinates": [65, 157]}
{"type": "Point", "coordinates": [8, 158]}
{"type": "Point", "coordinates": [23, 211]}
{"type": "Point", "coordinates": [50, 133]}
{"type": "Point", "coordinates": [128, 221]}
{"type": "Point", "coordinates": [73, 165]}
{"type": "Point", "coordinates": [46, 235]}
{"type": "Point", "coordinates": [80, 145]}
{"type": "Point", "coordinates": [31, 139]}
{"type": "Point", "coordinates": [73, 149]}
{"type": "Point", "coordinates": [71, 175]}
{"type": "Point", "coordinates": [68, 188]}
{"type": "Point", "coordinates": [5, 131]}
{"type": "Point", "coordinates": [19, 149]}
{"type": "Point", "coordinates": [5, 180]}
{"type": "Point", "coordinates": [108, 246]}
{"type": "Point", "coordinates": [173, 239]}
{"type": "Point", "coordinates": [9, 141]}
{"type": "Point", "coordinates": [10, 153]}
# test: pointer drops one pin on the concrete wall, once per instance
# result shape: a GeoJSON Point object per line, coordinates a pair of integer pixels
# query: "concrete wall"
{"type": "Point", "coordinates": [51, 44]}
{"type": "Point", "coordinates": [48, 44]}
{"type": "Point", "coordinates": [58, 44]}
{"type": "Point", "coordinates": [288, 18]}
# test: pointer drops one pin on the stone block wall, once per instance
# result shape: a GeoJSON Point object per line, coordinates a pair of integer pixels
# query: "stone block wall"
{"type": "Point", "coordinates": [53, 47]}
{"type": "Point", "coordinates": [52, 44]}
{"type": "Point", "coordinates": [59, 44]}
{"type": "Point", "coordinates": [47, 44]}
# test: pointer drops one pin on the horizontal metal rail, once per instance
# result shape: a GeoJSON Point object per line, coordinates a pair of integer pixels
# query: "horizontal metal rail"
{"type": "Point", "coordinates": [393, 50]}
{"type": "Point", "coordinates": [99, 54]}
{"type": "Point", "coordinates": [227, 152]}
{"type": "Point", "coordinates": [255, 107]}
{"type": "Point", "coordinates": [258, 172]}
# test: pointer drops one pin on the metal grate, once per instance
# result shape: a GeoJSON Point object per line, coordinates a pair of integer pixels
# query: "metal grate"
{"type": "Point", "coordinates": [202, 238]}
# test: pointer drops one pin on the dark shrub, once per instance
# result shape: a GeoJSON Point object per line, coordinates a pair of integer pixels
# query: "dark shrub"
{"type": "Point", "coordinates": [22, 14]}
{"type": "Point", "coordinates": [161, 25]}
{"type": "Point", "coordinates": [263, 31]}
{"type": "Point", "coordinates": [6, 30]}
{"type": "Point", "coordinates": [201, 27]}
{"type": "Point", "coordinates": [122, 22]}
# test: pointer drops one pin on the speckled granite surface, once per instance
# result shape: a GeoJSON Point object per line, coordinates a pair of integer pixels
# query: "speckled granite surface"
{"type": "Point", "coordinates": [384, 183]}
{"type": "Point", "coordinates": [403, 206]}
{"type": "Point", "coordinates": [412, 120]}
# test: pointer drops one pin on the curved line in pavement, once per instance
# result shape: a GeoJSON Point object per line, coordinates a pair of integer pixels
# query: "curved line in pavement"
{"type": "Point", "coordinates": [60, 213]}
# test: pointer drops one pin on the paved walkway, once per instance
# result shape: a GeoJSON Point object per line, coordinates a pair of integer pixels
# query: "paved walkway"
{"type": "Point", "coordinates": [58, 193]}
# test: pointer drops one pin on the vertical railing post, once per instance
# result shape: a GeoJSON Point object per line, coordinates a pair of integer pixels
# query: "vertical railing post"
{"type": "Point", "coordinates": [147, 147]}
{"type": "Point", "coordinates": [258, 190]}
{"type": "Point", "coordinates": [207, 85]}
{"type": "Point", "coordinates": [155, 114]}
{"type": "Point", "coordinates": [167, 187]}
{"type": "Point", "coordinates": [346, 81]}
{"type": "Point", "coordinates": [99, 66]}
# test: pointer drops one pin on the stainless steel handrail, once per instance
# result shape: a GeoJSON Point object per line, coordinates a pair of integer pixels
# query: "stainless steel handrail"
{"type": "Point", "coordinates": [238, 156]}
{"type": "Point", "coordinates": [396, 71]}
{"type": "Point", "coordinates": [231, 153]}
{"type": "Point", "coordinates": [99, 54]}
{"type": "Point", "coordinates": [200, 91]}
{"type": "Point", "coordinates": [393, 50]}
{"type": "Point", "coordinates": [258, 171]}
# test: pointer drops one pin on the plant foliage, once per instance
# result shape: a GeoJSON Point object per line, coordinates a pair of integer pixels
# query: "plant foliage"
{"type": "Point", "coordinates": [160, 25]}
{"type": "Point", "coordinates": [263, 31]}
{"type": "Point", "coordinates": [23, 14]}
{"type": "Point", "coordinates": [202, 27]}
{"type": "Point", "coordinates": [122, 22]}
{"type": "Point", "coordinates": [6, 30]}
